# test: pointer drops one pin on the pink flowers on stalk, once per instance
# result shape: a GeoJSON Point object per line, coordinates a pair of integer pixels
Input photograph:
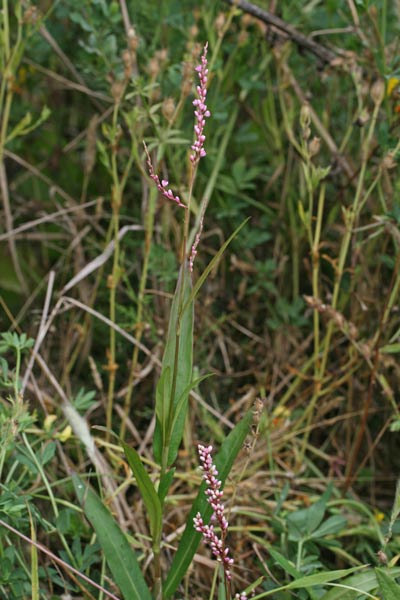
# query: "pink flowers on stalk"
{"type": "Point", "coordinates": [214, 498]}
{"type": "Point", "coordinates": [161, 185]}
{"type": "Point", "coordinates": [201, 111]}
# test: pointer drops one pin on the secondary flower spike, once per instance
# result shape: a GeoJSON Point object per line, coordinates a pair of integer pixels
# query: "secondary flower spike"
{"type": "Point", "coordinates": [214, 498]}
{"type": "Point", "coordinates": [161, 185]}
{"type": "Point", "coordinates": [201, 111]}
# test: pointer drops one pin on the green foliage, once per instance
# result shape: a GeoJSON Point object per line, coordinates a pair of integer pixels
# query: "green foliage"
{"type": "Point", "coordinates": [117, 551]}
{"type": "Point", "coordinates": [295, 294]}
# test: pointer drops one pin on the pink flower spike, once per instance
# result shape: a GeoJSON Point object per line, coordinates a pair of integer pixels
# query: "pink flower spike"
{"type": "Point", "coordinates": [214, 498]}
{"type": "Point", "coordinates": [201, 112]}
{"type": "Point", "coordinates": [161, 184]}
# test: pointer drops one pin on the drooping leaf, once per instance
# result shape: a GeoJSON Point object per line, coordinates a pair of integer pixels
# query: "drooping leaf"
{"type": "Point", "coordinates": [120, 557]}
{"type": "Point", "coordinates": [190, 538]}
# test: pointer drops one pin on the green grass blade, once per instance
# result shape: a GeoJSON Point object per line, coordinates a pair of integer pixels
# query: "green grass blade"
{"type": "Point", "coordinates": [363, 582]}
{"type": "Point", "coordinates": [120, 557]}
{"type": "Point", "coordinates": [320, 578]}
{"type": "Point", "coordinates": [309, 581]}
{"type": "Point", "coordinates": [190, 538]}
{"type": "Point", "coordinates": [146, 487]}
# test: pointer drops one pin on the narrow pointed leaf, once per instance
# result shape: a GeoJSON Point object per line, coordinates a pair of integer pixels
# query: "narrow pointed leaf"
{"type": "Point", "coordinates": [320, 578]}
{"type": "Point", "coordinates": [146, 487]}
{"type": "Point", "coordinates": [182, 401]}
{"type": "Point", "coordinates": [164, 484]}
{"type": "Point", "coordinates": [178, 357]}
{"type": "Point", "coordinates": [190, 538]}
{"type": "Point", "coordinates": [120, 557]}
{"type": "Point", "coordinates": [364, 582]}
{"type": "Point", "coordinates": [163, 400]}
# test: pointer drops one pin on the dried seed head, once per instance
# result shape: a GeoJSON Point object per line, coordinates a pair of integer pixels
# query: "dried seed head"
{"type": "Point", "coordinates": [378, 91]}
{"type": "Point", "coordinates": [154, 67]}
{"type": "Point", "coordinates": [219, 23]}
{"type": "Point", "coordinates": [242, 37]}
{"type": "Point", "coordinates": [133, 40]}
{"type": "Point", "coordinates": [31, 15]}
{"type": "Point", "coordinates": [314, 146]}
{"type": "Point", "coordinates": [168, 108]}
{"type": "Point", "coordinates": [389, 161]}
{"type": "Point", "coordinates": [193, 31]}
{"type": "Point", "coordinates": [305, 116]}
{"type": "Point", "coordinates": [117, 90]}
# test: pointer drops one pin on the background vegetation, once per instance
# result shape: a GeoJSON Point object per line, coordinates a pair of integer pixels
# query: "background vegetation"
{"type": "Point", "coordinates": [301, 311]}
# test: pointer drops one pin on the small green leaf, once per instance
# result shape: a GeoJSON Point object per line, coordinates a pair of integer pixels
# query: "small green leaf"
{"type": "Point", "coordinates": [120, 557]}
{"type": "Point", "coordinates": [283, 562]}
{"type": "Point", "coordinates": [190, 538]}
{"type": "Point", "coordinates": [25, 125]}
{"type": "Point", "coordinates": [390, 349]}
{"type": "Point", "coordinates": [146, 487]}
{"type": "Point", "coordinates": [389, 588]}
{"type": "Point", "coordinates": [331, 526]}
{"type": "Point", "coordinates": [288, 567]}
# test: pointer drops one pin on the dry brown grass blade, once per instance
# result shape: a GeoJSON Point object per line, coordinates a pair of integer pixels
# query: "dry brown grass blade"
{"type": "Point", "coordinates": [9, 227]}
{"type": "Point", "coordinates": [41, 332]}
{"type": "Point", "coordinates": [45, 219]}
{"type": "Point", "coordinates": [324, 54]}
{"type": "Point", "coordinates": [97, 262]}
{"type": "Point", "coordinates": [69, 65]}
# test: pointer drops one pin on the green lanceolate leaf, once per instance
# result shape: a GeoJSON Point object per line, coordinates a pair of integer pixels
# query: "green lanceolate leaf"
{"type": "Point", "coordinates": [190, 538]}
{"type": "Point", "coordinates": [163, 402]}
{"type": "Point", "coordinates": [164, 484]}
{"type": "Point", "coordinates": [120, 557]}
{"type": "Point", "coordinates": [309, 581]}
{"type": "Point", "coordinates": [362, 582]}
{"type": "Point", "coordinates": [389, 588]}
{"type": "Point", "coordinates": [180, 405]}
{"type": "Point", "coordinates": [146, 487]}
{"type": "Point", "coordinates": [178, 358]}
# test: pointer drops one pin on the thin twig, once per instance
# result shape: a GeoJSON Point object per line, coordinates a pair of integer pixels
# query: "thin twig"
{"type": "Point", "coordinates": [324, 54]}
{"type": "Point", "coordinates": [9, 226]}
